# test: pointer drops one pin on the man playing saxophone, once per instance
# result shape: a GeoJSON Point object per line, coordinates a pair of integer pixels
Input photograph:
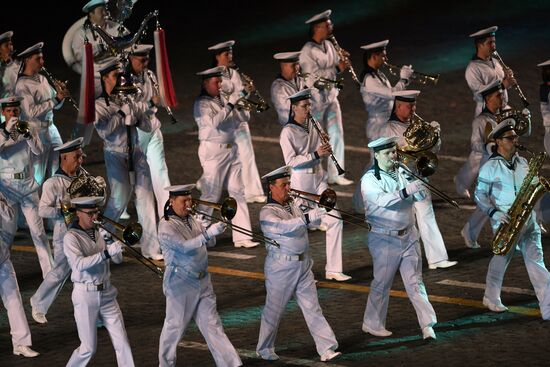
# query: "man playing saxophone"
{"type": "Point", "coordinates": [499, 180]}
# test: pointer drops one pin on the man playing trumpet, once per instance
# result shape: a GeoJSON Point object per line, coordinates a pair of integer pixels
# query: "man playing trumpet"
{"type": "Point", "coordinates": [303, 151]}
{"type": "Point", "coordinates": [287, 83]}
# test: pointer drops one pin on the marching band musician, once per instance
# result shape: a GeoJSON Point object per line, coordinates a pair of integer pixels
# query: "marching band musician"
{"type": "Point", "coordinates": [319, 58]}
{"type": "Point", "coordinates": [376, 89]}
{"type": "Point", "coordinates": [287, 83]}
{"type": "Point", "coordinates": [93, 294]}
{"type": "Point", "coordinates": [483, 69]}
{"type": "Point", "coordinates": [393, 239]}
{"type": "Point", "coordinates": [499, 181]}
{"type": "Point", "coordinates": [402, 114]}
{"type": "Point", "coordinates": [54, 193]}
{"type": "Point", "coordinates": [480, 151]}
{"type": "Point", "coordinates": [217, 121]}
{"type": "Point", "coordinates": [9, 67]}
{"type": "Point", "coordinates": [152, 143]}
{"type": "Point", "coordinates": [233, 83]}
{"type": "Point", "coordinates": [288, 268]}
{"type": "Point", "coordinates": [39, 101]}
{"type": "Point", "coordinates": [545, 102]}
{"type": "Point", "coordinates": [303, 151]}
{"type": "Point", "coordinates": [17, 182]}
{"type": "Point", "coordinates": [117, 121]}
{"type": "Point", "coordinates": [9, 289]}
{"type": "Point", "coordinates": [187, 284]}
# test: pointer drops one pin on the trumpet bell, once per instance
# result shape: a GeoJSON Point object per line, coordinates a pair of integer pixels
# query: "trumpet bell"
{"type": "Point", "coordinates": [228, 208]}
{"type": "Point", "coordinates": [132, 233]}
{"type": "Point", "coordinates": [328, 199]}
{"type": "Point", "coordinates": [22, 127]}
{"type": "Point", "coordinates": [125, 86]}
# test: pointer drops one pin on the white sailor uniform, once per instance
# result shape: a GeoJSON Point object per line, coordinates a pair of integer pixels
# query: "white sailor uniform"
{"type": "Point", "coordinates": [481, 73]}
{"type": "Point", "coordinates": [281, 89]}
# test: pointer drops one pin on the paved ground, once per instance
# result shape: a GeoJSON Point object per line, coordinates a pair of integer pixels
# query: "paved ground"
{"type": "Point", "coordinates": [431, 39]}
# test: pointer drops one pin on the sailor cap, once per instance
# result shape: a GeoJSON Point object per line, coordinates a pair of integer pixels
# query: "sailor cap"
{"type": "Point", "coordinates": [11, 101]}
{"type": "Point", "coordinates": [212, 72]}
{"type": "Point", "coordinates": [287, 56]}
{"type": "Point", "coordinates": [6, 36]}
{"type": "Point", "coordinates": [406, 95]}
{"type": "Point", "coordinates": [376, 45]}
{"type": "Point", "coordinates": [91, 5]}
{"type": "Point", "coordinates": [34, 49]}
{"type": "Point", "coordinates": [487, 32]}
{"type": "Point", "coordinates": [180, 190]}
{"type": "Point", "coordinates": [110, 65]}
{"type": "Point", "coordinates": [318, 18]}
{"type": "Point", "coordinates": [87, 202]}
{"type": "Point", "coordinates": [222, 46]}
{"type": "Point", "coordinates": [280, 172]}
{"type": "Point", "coordinates": [546, 63]}
{"type": "Point", "coordinates": [505, 125]}
{"type": "Point", "coordinates": [69, 146]}
{"type": "Point", "coordinates": [140, 50]}
{"type": "Point", "coordinates": [490, 88]}
{"type": "Point", "coordinates": [383, 143]}
{"type": "Point", "coordinates": [301, 95]}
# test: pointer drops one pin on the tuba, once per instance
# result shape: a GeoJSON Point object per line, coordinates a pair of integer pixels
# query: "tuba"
{"type": "Point", "coordinates": [507, 234]}
{"type": "Point", "coordinates": [420, 137]}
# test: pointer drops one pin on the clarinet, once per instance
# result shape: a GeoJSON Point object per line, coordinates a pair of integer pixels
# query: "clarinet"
{"type": "Point", "coordinates": [322, 135]}
{"type": "Point", "coordinates": [157, 91]}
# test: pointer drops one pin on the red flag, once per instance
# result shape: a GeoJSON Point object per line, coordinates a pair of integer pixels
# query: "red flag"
{"type": "Point", "coordinates": [166, 86]}
{"type": "Point", "coordinates": [86, 113]}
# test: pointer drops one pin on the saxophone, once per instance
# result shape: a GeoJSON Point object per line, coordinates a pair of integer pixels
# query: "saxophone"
{"type": "Point", "coordinates": [507, 234]}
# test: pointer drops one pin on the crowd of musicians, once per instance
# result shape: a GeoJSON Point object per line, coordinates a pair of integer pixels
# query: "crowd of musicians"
{"type": "Point", "coordinates": [42, 178]}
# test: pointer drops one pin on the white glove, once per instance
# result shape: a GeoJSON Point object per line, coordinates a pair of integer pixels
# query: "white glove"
{"type": "Point", "coordinates": [525, 112]}
{"type": "Point", "coordinates": [151, 111]}
{"type": "Point", "coordinates": [11, 123]}
{"type": "Point", "coordinates": [126, 108]}
{"type": "Point", "coordinates": [233, 98]}
{"type": "Point", "coordinates": [535, 181]}
{"type": "Point", "coordinates": [115, 248]}
{"type": "Point", "coordinates": [215, 229]}
{"type": "Point", "coordinates": [501, 217]}
{"type": "Point", "coordinates": [100, 181]}
{"type": "Point", "coordinates": [414, 187]}
{"type": "Point", "coordinates": [435, 125]}
{"type": "Point", "coordinates": [316, 214]}
{"type": "Point", "coordinates": [406, 72]}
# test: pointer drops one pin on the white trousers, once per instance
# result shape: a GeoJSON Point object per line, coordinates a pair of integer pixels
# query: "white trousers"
{"type": "Point", "coordinates": [283, 280]}
{"type": "Point", "coordinates": [468, 172]}
{"type": "Point", "coordinates": [434, 247]}
{"type": "Point", "coordinates": [11, 298]}
{"type": "Point", "coordinates": [88, 307]}
{"type": "Point", "coordinates": [316, 183]}
{"type": "Point", "coordinates": [153, 146]}
{"type": "Point", "coordinates": [222, 169]}
{"type": "Point", "coordinates": [531, 249]}
{"type": "Point", "coordinates": [250, 175]}
{"type": "Point", "coordinates": [329, 116]}
{"type": "Point", "coordinates": [121, 190]}
{"type": "Point", "coordinates": [390, 254]}
{"type": "Point", "coordinates": [46, 164]}
{"type": "Point", "coordinates": [188, 299]}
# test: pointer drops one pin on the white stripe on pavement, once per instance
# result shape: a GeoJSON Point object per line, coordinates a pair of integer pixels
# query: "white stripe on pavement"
{"type": "Point", "coordinates": [457, 283]}
{"type": "Point", "coordinates": [252, 354]}
{"type": "Point", "coordinates": [230, 255]}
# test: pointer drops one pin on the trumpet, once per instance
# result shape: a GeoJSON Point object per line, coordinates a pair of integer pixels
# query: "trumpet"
{"type": "Point", "coordinates": [58, 84]}
{"type": "Point", "coordinates": [157, 92]}
{"type": "Point", "coordinates": [416, 76]}
{"type": "Point", "coordinates": [22, 127]}
{"type": "Point", "coordinates": [322, 83]}
{"type": "Point", "coordinates": [228, 210]}
{"type": "Point", "coordinates": [432, 188]}
{"type": "Point", "coordinates": [327, 200]}
{"type": "Point", "coordinates": [324, 140]}
{"type": "Point", "coordinates": [131, 234]}
{"type": "Point", "coordinates": [246, 102]}
{"type": "Point", "coordinates": [516, 87]}
{"type": "Point", "coordinates": [342, 53]}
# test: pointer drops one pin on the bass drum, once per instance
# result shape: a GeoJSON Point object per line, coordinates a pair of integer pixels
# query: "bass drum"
{"type": "Point", "coordinates": [67, 46]}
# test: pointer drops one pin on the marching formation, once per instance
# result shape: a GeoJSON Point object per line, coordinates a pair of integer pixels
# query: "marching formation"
{"type": "Point", "coordinates": [41, 176]}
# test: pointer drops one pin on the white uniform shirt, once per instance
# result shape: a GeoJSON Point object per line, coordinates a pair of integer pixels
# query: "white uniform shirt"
{"type": "Point", "coordinates": [216, 120]}
{"type": "Point", "coordinates": [8, 77]}
{"type": "Point", "coordinates": [86, 257]}
{"type": "Point", "coordinates": [545, 105]}
{"type": "Point", "coordinates": [498, 184]}
{"type": "Point", "coordinates": [144, 82]}
{"type": "Point", "coordinates": [299, 148]}
{"type": "Point", "coordinates": [479, 127]}
{"type": "Point", "coordinates": [38, 100]}
{"type": "Point", "coordinates": [376, 91]}
{"type": "Point", "coordinates": [288, 229]}
{"type": "Point", "coordinates": [232, 82]}
{"type": "Point", "coordinates": [386, 207]}
{"type": "Point", "coordinates": [320, 60]}
{"type": "Point", "coordinates": [15, 156]}
{"type": "Point", "coordinates": [281, 89]}
{"type": "Point", "coordinates": [110, 125]}
{"type": "Point", "coordinates": [480, 73]}
{"type": "Point", "coordinates": [54, 191]}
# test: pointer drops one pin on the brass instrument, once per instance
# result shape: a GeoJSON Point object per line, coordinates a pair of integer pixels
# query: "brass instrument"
{"type": "Point", "coordinates": [341, 52]}
{"type": "Point", "coordinates": [157, 92]}
{"type": "Point", "coordinates": [322, 136]}
{"type": "Point", "coordinates": [432, 188]}
{"type": "Point", "coordinates": [327, 200]}
{"type": "Point", "coordinates": [83, 185]}
{"type": "Point", "coordinates": [522, 119]}
{"type": "Point", "coordinates": [56, 83]}
{"type": "Point", "coordinates": [507, 234]}
{"type": "Point", "coordinates": [516, 87]}
{"type": "Point", "coordinates": [418, 77]}
{"type": "Point", "coordinates": [246, 103]}
{"type": "Point", "coordinates": [322, 83]}
{"type": "Point", "coordinates": [425, 162]}
{"type": "Point", "coordinates": [131, 234]}
{"type": "Point", "coordinates": [228, 210]}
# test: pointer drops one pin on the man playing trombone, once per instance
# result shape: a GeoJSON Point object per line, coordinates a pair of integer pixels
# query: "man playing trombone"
{"type": "Point", "coordinates": [402, 116]}
{"type": "Point", "coordinates": [319, 58]}
{"type": "Point", "coordinates": [303, 151]}
{"type": "Point", "coordinates": [288, 268]}
{"type": "Point", "coordinates": [393, 239]}
{"type": "Point", "coordinates": [288, 82]}
{"type": "Point", "coordinates": [93, 294]}
{"type": "Point", "coordinates": [187, 285]}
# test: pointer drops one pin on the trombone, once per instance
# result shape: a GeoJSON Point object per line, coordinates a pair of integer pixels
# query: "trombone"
{"type": "Point", "coordinates": [228, 210]}
{"type": "Point", "coordinates": [432, 188]}
{"type": "Point", "coordinates": [416, 76]}
{"type": "Point", "coordinates": [327, 200]}
{"type": "Point", "coordinates": [131, 234]}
